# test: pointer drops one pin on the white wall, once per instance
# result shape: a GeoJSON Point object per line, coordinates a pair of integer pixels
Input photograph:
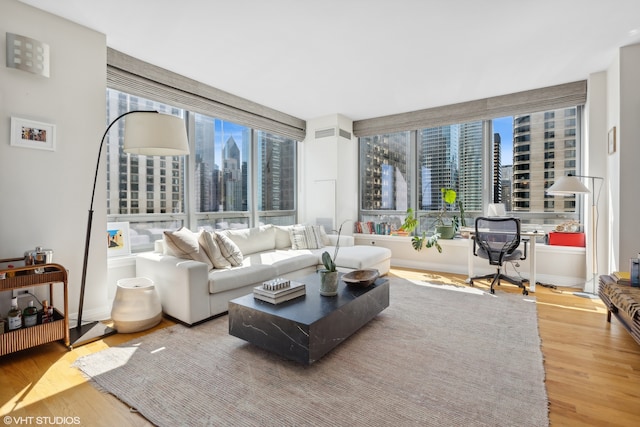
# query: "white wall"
{"type": "Point", "coordinates": [628, 155]}
{"type": "Point", "coordinates": [596, 164]}
{"type": "Point", "coordinates": [329, 174]}
{"type": "Point", "coordinates": [46, 195]}
{"type": "Point", "coordinates": [623, 203]}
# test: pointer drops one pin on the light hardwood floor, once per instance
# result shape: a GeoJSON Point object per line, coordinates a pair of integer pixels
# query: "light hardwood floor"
{"type": "Point", "coordinates": [592, 369]}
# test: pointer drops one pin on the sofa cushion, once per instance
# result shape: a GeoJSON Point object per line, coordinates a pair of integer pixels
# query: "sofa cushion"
{"type": "Point", "coordinates": [360, 256]}
{"type": "Point", "coordinates": [229, 249]}
{"type": "Point", "coordinates": [209, 244]}
{"type": "Point", "coordinates": [283, 237]}
{"type": "Point", "coordinates": [253, 240]}
{"type": "Point", "coordinates": [306, 237]}
{"type": "Point", "coordinates": [284, 261]}
{"type": "Point", "coordinates": [238, 277]}
{"type": "Point", "coordinates": [183, 243]}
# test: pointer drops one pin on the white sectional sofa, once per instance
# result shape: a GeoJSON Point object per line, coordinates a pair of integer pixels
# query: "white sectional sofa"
{"type": "Point", "coordinates": [192, 291]}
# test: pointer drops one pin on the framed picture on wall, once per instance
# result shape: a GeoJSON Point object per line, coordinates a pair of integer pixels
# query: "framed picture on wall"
{"type": "Point", "coordinates": [31, 134]}
{"type": "Point", "coordinates": [612, 140]}
{"type": "Point", "coordinates": [118, 239]}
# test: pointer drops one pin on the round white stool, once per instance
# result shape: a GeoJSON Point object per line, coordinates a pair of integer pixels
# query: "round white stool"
{"type": "Point", "coordinates": [136, 306]}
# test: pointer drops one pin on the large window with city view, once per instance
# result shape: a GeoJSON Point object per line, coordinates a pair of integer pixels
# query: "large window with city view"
{"type": "Point", "coordinates": [508, 160]}
{"type": "Point", "coordinates": [236, 177]}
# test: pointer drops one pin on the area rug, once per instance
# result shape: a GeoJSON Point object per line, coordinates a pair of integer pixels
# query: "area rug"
{"type": "Point", "coordinates": [437, 356]}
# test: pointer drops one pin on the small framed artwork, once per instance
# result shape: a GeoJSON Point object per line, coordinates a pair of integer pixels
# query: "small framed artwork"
{"type": "Point", "coordinates": [118, 239]}
{"type": "Point", "coordinates": [612, 140]}
{"type": "Point", "coordinates": [31, 134]}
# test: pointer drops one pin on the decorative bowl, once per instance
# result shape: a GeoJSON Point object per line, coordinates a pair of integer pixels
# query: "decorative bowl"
{"type": "Point", "coordinates": [362, 278]}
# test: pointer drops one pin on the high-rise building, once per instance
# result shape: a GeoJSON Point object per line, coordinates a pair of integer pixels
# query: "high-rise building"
{"type": "Point", "coordinates": [384, 184]}
{"type": "Point", "coordinates": [138, 184]}
{"type": "Point", "coordinates": [232, 173]}
{"type": "Point", "coordinates": [438, 164]}
{"type": "Point", "coordinates": [544, 149]}
{"type": "Point", "coordinates": [470, 155]}
{"type": "Point", "coordinates": [506, 184]}
{"type": "Point", "coordinates": [497, 168]}
{"type": "Point", "coordinates": [276, 172]}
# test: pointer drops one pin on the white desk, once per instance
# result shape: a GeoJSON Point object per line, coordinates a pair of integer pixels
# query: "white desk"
{"type": "Point", "coordinates": [531, 253]}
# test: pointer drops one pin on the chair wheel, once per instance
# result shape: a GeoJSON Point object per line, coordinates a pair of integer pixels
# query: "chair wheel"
{"type": "Point", "coordinates": [525, 292]}
{"type": "Point", "coordinates": [492, 291]}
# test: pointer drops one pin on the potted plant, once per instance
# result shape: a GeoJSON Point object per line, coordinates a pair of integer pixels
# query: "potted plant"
{"type": "Point", "coordinates": [442, 230]}
{"type": "Point", "coordinates": [410, 223]}
{"type": "Point", "coordinates": [446, 230]}
{"type": "Point", "coordinates": [329, 274]}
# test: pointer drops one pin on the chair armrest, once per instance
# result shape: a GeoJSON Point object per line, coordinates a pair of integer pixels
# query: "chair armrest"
{"type": "Point", "coordinates": [183, 285]}
{"type": "Point", "coordinates": [525, 243]}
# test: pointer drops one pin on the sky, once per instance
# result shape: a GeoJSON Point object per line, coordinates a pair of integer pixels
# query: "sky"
{"type": "Point", "coordinates": [504, 126]}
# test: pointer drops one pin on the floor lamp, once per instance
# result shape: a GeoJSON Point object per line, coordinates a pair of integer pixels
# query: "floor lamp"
{"type": "Point", "coordinates": [570, 185]}
{"type": "Point", "coordinates": [145, 132]}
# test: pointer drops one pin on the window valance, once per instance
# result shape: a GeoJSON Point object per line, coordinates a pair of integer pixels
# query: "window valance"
{"type": "Point", "coordinates": [131, 75]}
{"type": "Point", "coordinates": [549, 98]}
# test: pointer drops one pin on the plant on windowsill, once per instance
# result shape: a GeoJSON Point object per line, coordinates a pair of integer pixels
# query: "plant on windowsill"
{"type": "Point", "coordinates": [410, 223]}
{"type": "Point", "coordinates": [329, 274]}
{"type": "Point", "coordinates": [442, 229]}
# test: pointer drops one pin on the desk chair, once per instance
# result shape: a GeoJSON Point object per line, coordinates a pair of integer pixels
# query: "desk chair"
{"type": "Point", "coordinates": [497, 240]}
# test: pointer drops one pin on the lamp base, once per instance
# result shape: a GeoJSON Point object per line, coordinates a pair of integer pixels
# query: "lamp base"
{"type": "Point", "coordinates": [84, 334]}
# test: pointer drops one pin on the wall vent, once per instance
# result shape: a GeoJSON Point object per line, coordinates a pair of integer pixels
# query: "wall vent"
{"type": "Point", "coordinates": [333, 131]}
{"type": "Point", "coordinates": [345, 134]}
{"type": "Point", "coordinates": [325, 133]}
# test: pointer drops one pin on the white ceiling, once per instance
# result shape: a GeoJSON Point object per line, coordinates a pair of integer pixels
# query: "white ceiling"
{"type": "Point", "coordinates": [364, 58]}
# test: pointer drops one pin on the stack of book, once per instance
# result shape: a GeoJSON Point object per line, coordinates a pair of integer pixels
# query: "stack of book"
{"type": "Point", "coordinates": [278, 290]}
{"type": "Point", "coordinates": [622, 277]}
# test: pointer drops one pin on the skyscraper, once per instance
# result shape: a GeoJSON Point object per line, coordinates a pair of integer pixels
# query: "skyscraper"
{"type": "Point", "coordinates": [544, 149]}
{"type": "Point", "coordinates": [138, 184]}
{"type": "Point", "coordinates": [232, 173]}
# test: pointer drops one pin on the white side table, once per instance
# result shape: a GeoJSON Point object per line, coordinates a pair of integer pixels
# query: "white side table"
{"type": "Point", "coordinates": [136, 306]}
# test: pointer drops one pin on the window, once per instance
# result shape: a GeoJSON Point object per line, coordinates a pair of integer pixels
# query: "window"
{"type": "Point", "coordinates": [527, 152]}
{"type": "Point", "coordinates": [385, 181]}
{"type": "Point", "coordinates": [228, 161]}
{"type": "Point", "coordinates": [276, 161]}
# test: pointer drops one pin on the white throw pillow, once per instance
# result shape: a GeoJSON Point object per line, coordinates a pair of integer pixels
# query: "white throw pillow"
{"type": "Point", "coordinates": [210, 246]}
{"type": "Point", "coordinates": [229, 249]}
{"type": "Point", "coordinates": [283, 236]}
{"type": "Point", "coordinates": [183, 243]}
{"type": "Point", "coordinates": [306, 237]}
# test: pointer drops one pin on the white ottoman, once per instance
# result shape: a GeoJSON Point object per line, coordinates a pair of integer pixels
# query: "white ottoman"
{"type": "Point", "coordinates": [136, 306]}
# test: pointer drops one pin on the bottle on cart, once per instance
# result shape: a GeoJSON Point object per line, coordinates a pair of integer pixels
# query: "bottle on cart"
{"type": "Point", "coordinates": [14, 318]}
{"type": "Point", "coordinates": [30, 315]}
{"type": "Point", "coordinates": [47, 312]}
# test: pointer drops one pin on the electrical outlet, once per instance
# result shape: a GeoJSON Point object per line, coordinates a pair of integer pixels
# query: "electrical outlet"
{"type": "Point", "coordinates": [22, 291]}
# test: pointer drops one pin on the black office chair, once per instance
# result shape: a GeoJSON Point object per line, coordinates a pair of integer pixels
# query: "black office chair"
{"type": "Point", "coordinates": [497, 239]}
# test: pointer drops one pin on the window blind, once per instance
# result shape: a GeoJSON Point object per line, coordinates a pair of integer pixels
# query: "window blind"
{"type": "Point", "coordinates": [131, 75]}
{"type": "Point", "coordinates": [549, 98]}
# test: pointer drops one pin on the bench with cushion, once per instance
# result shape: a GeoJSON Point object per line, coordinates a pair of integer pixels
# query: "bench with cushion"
{"type": "Point", "coordinates": [623, 301]}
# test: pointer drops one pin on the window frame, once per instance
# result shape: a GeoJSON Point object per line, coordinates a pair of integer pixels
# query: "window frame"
{"type": "Point", "coordinates": [543, 218]}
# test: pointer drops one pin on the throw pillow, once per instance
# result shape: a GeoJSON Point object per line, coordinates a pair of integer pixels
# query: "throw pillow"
{"type": "Point", "coordinates": [306, 237]}
{"type": "Point", "coordinates": [183, 243]}
{"type": "Point", "coordinates": [324, 237]}
{"type": "Point", "coordinates": [229, 249]}
{"type": "Point", "coordinates": [283, 236]}
{"type": "Point", "coordinates": [210, 246]}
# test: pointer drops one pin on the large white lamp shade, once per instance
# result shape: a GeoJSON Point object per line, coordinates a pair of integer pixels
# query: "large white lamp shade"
{"type": "Point", "coordinates": [155, 135]}
{"type": "Point", "coordinates": [567, 186]}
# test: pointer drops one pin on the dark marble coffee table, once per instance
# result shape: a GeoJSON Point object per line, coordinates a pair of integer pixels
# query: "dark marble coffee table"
{"type": "Point", "coordinates": [306, 328]}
